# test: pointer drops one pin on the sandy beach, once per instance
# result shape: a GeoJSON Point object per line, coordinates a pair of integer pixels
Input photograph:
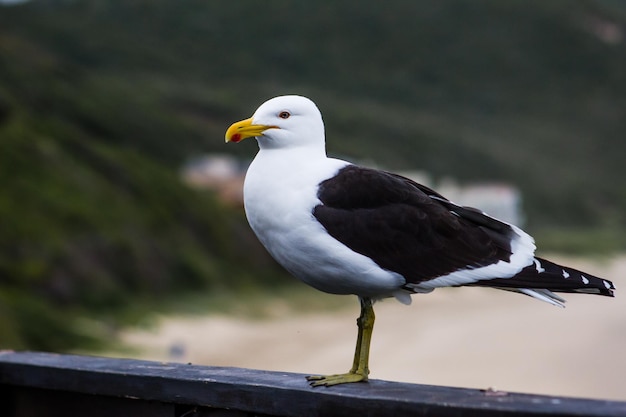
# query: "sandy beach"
{"type": "Point", "coordinates": [464, 337]}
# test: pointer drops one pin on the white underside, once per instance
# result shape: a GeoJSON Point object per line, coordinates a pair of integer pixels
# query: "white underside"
{"type": "Point", "coordinates": [280, 192]}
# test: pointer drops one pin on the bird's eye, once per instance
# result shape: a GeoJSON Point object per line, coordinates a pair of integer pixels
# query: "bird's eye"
{"type": "Point", "coordinates": [284, 115]}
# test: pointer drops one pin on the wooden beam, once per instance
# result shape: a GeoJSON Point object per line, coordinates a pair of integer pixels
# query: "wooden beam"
{"type": "Point", "coordinates": [32, 378]}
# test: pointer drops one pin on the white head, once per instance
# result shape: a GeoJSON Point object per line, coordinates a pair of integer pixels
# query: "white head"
{"type": "Point", "coordinates": [282, 122]}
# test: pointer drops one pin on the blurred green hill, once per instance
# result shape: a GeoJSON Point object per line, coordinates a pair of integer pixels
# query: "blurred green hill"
{"type": "Point", "coordinates": [102, 101]}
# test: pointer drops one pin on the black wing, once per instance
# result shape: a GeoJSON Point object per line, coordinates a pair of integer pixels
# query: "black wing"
{"type": "Point", "coordinates": [408, 228]}
{"type": "Point", "coordinates": [544, 274]}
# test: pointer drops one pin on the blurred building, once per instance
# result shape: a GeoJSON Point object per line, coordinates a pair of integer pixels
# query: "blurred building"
{"type": "Point", "coordinates": [221, 173]}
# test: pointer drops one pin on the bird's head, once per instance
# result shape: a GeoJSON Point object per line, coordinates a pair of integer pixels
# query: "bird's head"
{"type": "Point", "coordinates": [282, 122]}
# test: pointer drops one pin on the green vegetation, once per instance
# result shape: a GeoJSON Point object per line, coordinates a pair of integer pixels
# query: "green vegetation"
{"type": "Point", "coordinates": [101, 103]}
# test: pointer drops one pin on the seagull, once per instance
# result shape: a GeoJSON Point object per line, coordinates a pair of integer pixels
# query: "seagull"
{"type": "Point", "coordinates": [346, 229]}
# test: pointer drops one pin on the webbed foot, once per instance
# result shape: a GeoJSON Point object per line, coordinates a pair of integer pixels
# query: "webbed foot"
{"type": "Point", "coordinates": [330, 380]}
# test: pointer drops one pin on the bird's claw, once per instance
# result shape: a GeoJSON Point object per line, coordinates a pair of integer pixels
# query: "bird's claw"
{"type": "Point", "coordinates": [330, 380]}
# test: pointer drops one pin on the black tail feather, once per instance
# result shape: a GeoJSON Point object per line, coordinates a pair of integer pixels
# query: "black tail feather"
{"type": "Point", "coordinates": [543, 274]}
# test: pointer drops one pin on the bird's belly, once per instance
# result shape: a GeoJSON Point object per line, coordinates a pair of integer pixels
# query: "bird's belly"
{"type": "Point", "coordinates": [301, 245]}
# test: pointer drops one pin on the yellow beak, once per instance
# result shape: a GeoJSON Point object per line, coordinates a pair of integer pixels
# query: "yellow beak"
{"type": "Point", "coordinates": [245, 129]}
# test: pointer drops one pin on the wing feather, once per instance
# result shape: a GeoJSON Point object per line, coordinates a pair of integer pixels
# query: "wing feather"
{"type": "Point", "coordinates": [408, 228]}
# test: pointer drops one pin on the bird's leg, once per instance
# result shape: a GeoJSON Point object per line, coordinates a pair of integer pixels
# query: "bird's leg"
{"type": "Point", "coordinates": [365, 324]}
{"type": "Point", "coordinates": [360, 368]}
{"type": "Point", "coordinates": [359, 341]}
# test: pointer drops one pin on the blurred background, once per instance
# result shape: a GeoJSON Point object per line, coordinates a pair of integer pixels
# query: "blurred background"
{"type": "Point", "coordinates": [120, 204]}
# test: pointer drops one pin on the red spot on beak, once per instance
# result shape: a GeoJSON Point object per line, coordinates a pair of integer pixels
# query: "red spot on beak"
{"type": "Point", "coordinates": [235, 138]}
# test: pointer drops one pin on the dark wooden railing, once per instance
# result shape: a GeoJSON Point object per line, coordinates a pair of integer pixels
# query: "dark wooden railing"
{"type": "Point", "coordinates": [44, 384]}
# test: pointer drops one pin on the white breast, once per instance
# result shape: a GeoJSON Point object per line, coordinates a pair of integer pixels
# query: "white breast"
{"type": "Point", "coordinates": [280, 192]}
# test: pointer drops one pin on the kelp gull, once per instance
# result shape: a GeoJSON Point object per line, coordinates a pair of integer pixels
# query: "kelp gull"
{"type": "Point", "coordinates": [345, 229]}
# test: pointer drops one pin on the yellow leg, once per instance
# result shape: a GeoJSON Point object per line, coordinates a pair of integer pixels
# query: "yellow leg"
{"type": "Point", "coordinates": [360, 369]}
